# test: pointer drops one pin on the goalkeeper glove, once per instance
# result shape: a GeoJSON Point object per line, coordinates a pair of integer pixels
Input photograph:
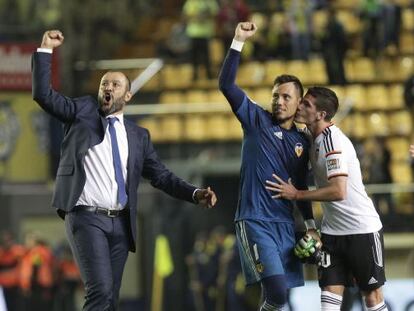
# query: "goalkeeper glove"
{"type": "Point", "coordinates": [308, 250]}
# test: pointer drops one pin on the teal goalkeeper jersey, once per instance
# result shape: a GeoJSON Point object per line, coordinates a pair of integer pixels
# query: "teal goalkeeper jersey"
{"type": "Point", "coordinates": [268, 148]}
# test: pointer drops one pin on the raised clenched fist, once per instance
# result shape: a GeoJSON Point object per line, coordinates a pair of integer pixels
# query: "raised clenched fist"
{"type": "Point", "coordinates": [245, 30]}
{"type": "Point", "coordinates": [52, 39]}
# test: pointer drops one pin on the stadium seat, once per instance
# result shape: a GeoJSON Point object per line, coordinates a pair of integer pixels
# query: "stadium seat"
{"type": "Point", "coordinates": [317, 72]}
{"type": "Point", "coordinates": [235, 131]}
{"type": "Point", "coordinates": [153, 84]}
{"type": "Point", "coordinates": [359, 130]}
{"type": "Point", "coordinates": [261, 20]}
{"type": "Point", "coordinates": [396, 100]}
{"type": "Point", "coordinates": [172, 97]}
{"type": "Point", "coordinates": [356, 94]}
{"type": "Point", "coordinates": [405, 67]}
{"type": "Point", "coordinates": [377, 124]}
{"type": "Point", "coordinates": [153, 126]}
{"type": "Point", "coordinates": [346, 124]}
{"type": "Point", "coordinates": [217, 127]}
{"type": "Point", "coordinates": [407, 43]}
{"type": "Point", "coordinates": [171, 128]}
{"type": "Point", "coordinates": [364, 69]}
{"type": "Point", "coordinates": [263, 97]}
{"type": "Point", "coordinates": [344, 104]}
{"type": "Point", "coordinates": [319, 21]}
{"type": "Point", "coordinates": [195, 128]}
{"type": "Point", "coordinates": [216, 51]}
{"type": "Point", "coordinates": [273, 69]}
{"type": "Point", "coordinates": [377, 97]}
{"type": "Point", "coordinates": [215, 96]}
{"type": "Point", "coordinates": [300, 69]}
{"type": "Point", "coordinates": [398, 147]}
{"type": "Point", "coordinates": [250, 74]}
{"type": "Point", "coordinates": [340, 93]}
{"type": "Point", "coordinates": [349, 69]}
{"type": "Point", "coordinates": [386, 69]}
{"type": "Point", "coordinates": [401, 123]}
{"type": "Point", "coordinates": [250, 93]}
{"type": "Point", "coordinates": [407, 20]}
{"type": "Point", "coordinates": [177, 76]}
{"type": "Point", "coordinates": [401, 172]}
{"type": "Point", "coordinates": [196, 96]}
{"type": "Point", "coordinates": [351, 22]}
{"type": "Point", "coordinates": [277, 22]}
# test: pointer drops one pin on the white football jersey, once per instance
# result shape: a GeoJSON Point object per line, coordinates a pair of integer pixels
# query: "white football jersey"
{"type": "Point", "coordinates": [332, 154]}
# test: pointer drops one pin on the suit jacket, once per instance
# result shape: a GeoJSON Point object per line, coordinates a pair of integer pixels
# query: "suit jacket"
{"type": "Point", "coordinates": [84, 127]}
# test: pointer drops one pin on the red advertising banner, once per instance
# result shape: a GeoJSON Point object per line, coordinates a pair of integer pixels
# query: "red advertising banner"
{"type": "Point", "coordinates": [15, 67]}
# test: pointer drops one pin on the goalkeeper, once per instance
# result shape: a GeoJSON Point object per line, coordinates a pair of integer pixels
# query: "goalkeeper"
{"type": "Point", "coordinates": [265, 228]}
{"type": "Point", "coordinates": [351, 228]}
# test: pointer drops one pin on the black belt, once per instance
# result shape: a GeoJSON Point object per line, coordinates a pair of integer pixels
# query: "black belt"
{"type": "Point", "coordinates": [101, 210]}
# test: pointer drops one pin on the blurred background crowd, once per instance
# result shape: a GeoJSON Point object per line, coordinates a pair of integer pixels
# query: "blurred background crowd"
{"type": "Point", "coordinates": [172, 51]}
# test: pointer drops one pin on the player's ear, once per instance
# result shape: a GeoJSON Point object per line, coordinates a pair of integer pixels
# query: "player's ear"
{"type": "Point", "coordinates": [320, 115]}
{"type": "Point", "coordinates": [127, 96]}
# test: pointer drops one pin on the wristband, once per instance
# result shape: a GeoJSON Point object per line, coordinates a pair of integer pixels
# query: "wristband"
{"type": "Point", "coordinates": [237, 45]}
{"type": "Point", "coordinates": [44, 50]}
{"type": "Point", "coordinates": [310, 224]}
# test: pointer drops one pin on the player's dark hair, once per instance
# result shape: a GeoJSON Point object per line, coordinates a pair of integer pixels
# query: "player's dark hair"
{"type": "Point", "coordinates": [325, 100]}
{"type": "Point", "coordinates": [282, 79]}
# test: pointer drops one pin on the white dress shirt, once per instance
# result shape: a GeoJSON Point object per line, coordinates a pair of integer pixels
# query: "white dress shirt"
{"type": "Point", "coordinates": [101, 188]}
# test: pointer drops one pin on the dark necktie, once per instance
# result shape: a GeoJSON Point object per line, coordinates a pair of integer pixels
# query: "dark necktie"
{"type": "Point", "coordinates": [122, 196]}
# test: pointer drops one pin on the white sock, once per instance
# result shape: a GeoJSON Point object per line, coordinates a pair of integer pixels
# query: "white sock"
{"type": "Point", "coordinates": [268, 307]}
{"type": "Point", "coordinates": [379, 307]}
{"type": "Point", "coordinates": [330, 301]}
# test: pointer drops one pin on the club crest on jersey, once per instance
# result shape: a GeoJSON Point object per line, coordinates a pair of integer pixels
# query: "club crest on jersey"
{"type": "Point", "coordinates": [278, 135]}
{"type": "Point", "coordinates": [298, 149]}
{"type": "Point", "coordinates": [260, 267]}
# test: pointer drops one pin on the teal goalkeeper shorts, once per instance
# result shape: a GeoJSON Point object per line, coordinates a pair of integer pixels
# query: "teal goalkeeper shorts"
{"type": "Point", "coordinates": [266, 249]}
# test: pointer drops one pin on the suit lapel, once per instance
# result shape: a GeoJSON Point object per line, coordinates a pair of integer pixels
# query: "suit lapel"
{"type": "Point", "coordinates": [132, 137]}
{"type": "Point", "coordinates": [98, 131]}
{"type": "Point", "coordinates": [104, 124]}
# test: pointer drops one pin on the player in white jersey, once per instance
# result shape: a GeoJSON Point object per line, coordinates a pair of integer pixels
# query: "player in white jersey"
{"type": "Point", "coordinates": [351, 228]}
{"type": "Point", "coordinates": [333, 155]}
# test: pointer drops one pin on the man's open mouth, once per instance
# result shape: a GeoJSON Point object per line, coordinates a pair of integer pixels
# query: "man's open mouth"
{"type": "Point", "coordinates": [107, 97]}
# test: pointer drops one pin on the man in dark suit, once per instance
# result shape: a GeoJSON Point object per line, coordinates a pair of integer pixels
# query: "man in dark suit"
{"type": "Point", "coordinates": [102, 159]}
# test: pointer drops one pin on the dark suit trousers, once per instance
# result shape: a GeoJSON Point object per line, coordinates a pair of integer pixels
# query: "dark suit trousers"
{"type": "Point", "coordinates": [100, 247]}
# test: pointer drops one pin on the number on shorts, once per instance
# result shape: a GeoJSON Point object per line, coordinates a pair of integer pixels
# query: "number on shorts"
{"type": "Point", "coordinates": [326, 259]}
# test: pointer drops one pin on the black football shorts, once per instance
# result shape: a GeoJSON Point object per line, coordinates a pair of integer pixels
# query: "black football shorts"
{"type": "Point", "coordinates": [353, 259]}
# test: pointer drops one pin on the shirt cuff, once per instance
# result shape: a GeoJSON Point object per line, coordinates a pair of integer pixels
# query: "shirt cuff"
{"type": "Point", "coordinates": [45, 50]}
{"type": "Point", "coordinates": [194, 197]}
{"type": "Point", "coordinates": [237, 45]}
{"type": "Point", "coordinates": [310, 224]}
